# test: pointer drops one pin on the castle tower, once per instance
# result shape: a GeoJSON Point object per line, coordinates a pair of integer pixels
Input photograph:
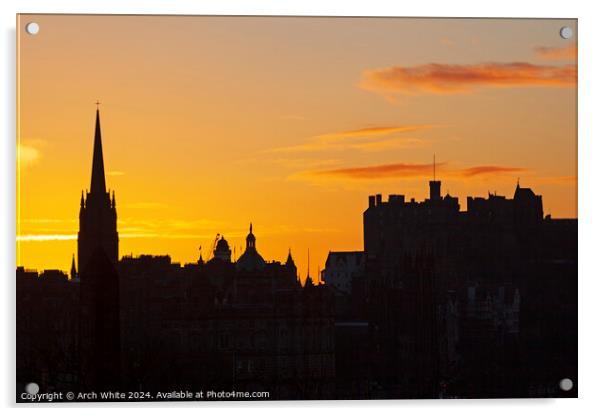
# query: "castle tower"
{"type": "Point", "coordinates": [97, 214]}
{"type": "Point", "coordinates": [435, 190]}
{"type": "Point", "coordinates": [434, 185]}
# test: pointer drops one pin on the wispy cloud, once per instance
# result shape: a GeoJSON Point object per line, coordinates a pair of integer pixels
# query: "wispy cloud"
{"type": "Point", "coordinates": [394, 170]}
{"type": "Point", "coordinates": [409, 170]}
{"type": "Point", "coordinates": [165, 228]}
{"type": "Point", "coordinates": [367, 138]}
{"type": "Point", "coordinates": [446, 41]}
{"type": "Point", "coordinates": [452, 79]}
{"type": "Point", "coordinates": [166, 234]}
{"type": "Point", "coordinates": [46, 237]}
{"type": "Point", "coordinates": [388, 144]}
{"type": "Point", "coordinates": [564, 53]}
{"type": "Point", "coordinates": [174, 225]}
{"type": "Point", "coordinates": [126, 235]}
{"type": "Point", "coordinates": [28, 152]}
{"type": "Point", "coordinates": [47, 220]}
{"type": "Point", "coordinates": [372, 131]}
{"type": "Point", "coordinates": [487, 170]}
{"type": "Point", "coordinates": [304, 163]}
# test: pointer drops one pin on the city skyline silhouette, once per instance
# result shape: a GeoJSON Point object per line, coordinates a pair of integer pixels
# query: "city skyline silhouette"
{"type": "Point", "coordinates": [188, 144]}
{"type": "Point", "coordinates": [98, 191]}
{"type": "Point", "coordinates": [437, 299]}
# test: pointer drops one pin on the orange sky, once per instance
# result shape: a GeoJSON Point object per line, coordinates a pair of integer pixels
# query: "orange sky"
{"type": "Point", "coordinates": [212, 122]}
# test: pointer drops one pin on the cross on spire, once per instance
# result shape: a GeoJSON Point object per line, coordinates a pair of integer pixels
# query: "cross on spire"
{"type": "Point", "coordinates": [97, 104]}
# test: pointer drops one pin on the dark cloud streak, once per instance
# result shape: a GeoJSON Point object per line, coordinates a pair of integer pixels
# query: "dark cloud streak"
{"type": "Point", "coordinates": [408, 170]}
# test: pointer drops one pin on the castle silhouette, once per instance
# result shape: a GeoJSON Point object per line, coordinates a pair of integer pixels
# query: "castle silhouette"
{"type": "Point", "coordinates": [440, 303]}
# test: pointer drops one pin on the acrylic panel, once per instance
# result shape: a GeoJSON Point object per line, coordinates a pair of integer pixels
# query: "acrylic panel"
{"type": "Point", "coordinates": [285, 208]}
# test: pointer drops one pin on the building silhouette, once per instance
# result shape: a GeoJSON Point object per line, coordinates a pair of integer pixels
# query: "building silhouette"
{"type": "Point", "coordinates": [457, 299]}
{"type": "Point", "coordinates": [99, 318]}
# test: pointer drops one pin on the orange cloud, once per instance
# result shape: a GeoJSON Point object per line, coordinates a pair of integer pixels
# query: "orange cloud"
{"type": "Point", "coordinates": [395, 170]}
{"type": "Point", "coordinates": [372, 131]}
{"type": "Point", "coordinates": [567, 53]}
{"type": "Point", "coordinates": [484, 170]}
{"type": "Point", "coordinates": [408, 170]}
{"type": "Point", "coordinates": [361, 139]}
{"type": "Point", "coordinates": [449, 79]}
{"type": "Point", "coordinates": [386, 144]}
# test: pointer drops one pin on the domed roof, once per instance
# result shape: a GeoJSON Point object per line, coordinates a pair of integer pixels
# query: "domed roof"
{"type": "Point", "coordinates": [250, 260]}
{"type": "Point", "coordinates": [222, 250]}
{"type": "Point", "coordinates": [222, 245]}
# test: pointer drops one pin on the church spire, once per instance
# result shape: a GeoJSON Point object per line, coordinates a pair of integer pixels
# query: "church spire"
{"type": "Point", "coordinates": [98, 170]}
{"type": "Point", "coordinates": [73, 269]}
{"type": "Point", "coordinates": [97, 214]}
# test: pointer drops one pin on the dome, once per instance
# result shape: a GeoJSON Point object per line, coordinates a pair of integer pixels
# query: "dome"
{"type": "Point", "coordinates": [222, 245]}
{"type": "Point", "coordinates": [222, 250]}
{"type": "Point", "coordinates": [250, 260]}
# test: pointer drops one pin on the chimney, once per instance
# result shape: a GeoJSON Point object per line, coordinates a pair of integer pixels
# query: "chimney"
{"type": "Point", "coordinates": [371, 201]}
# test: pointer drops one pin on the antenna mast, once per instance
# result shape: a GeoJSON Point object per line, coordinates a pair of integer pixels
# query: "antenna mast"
{"type": "Point", "coordinates": [308, 262]}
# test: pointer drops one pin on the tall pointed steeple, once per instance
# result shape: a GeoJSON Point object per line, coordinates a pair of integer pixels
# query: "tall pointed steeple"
{"type": "Point", "coordinates": [97, 185]}
{"type": "Point", "coordinates": [73, 269]}
{"type": "Point", "coordinates": [97, 213]}
{"type": "Point", "coordinates": [289, 259]}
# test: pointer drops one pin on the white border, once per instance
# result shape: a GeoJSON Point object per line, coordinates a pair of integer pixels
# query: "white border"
{"type": "Point", "coordinates": [590, 209]}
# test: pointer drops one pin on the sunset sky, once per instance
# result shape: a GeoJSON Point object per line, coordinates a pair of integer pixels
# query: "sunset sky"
{"type": "Point", "coordinates": [209, 123]}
